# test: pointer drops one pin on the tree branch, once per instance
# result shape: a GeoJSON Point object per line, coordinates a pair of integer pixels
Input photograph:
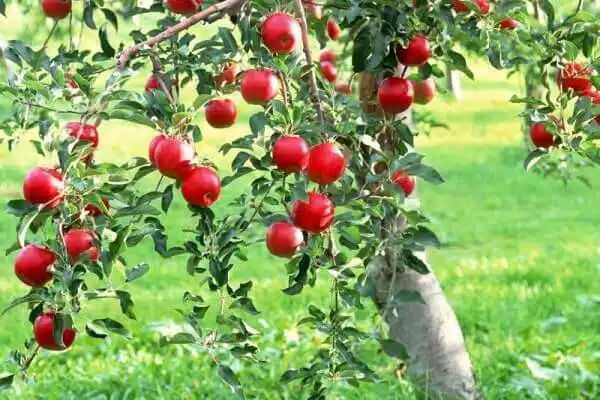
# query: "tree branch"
{"type": "Point", "coordinates": [129, 52]}
{"type": "Point", "coordinates": [312, 78]}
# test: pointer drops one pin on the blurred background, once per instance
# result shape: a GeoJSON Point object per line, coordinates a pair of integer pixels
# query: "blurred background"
{"type": "Point", "coordinates": [520, 262]}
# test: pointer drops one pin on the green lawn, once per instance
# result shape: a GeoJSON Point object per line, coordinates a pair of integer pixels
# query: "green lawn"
{"type": "Point", "coordinates": [520, 264]}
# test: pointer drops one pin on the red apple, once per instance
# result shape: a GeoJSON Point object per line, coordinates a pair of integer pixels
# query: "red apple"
{"type": "Point", "coordinates": [83, 132]}
{"type": "Point", "coordinates": [508, 24]}
{"type": "Point", "coordinates": [220, 113]}
{"type": "Point", "coordinates": [290, 154]}
{"type": "Point", "coordinates": [32, 263]}
{"type": "Point", "coordinates": [56, 9]}
{"type": "Point", "coordinates": [540, 136]}
{"type": "Point", "coordinates": [405, 182]}
{"type": "Point", "coordinates": [315, 9]}
{"type": "Point", "coordinates": [329, 71]}
{"type": "Point", "coordinates": [395, 95]}
{"type": "Point", "coordinates": [281, 32]}
{"type": "Point", "coordinates": [43, 332]}
{"type": "Point", "coordinates": [417, 53]}
{"type": "Point", "coordinates": [326, 163]}
{"type": "Point", "coordinates": [152, 84]}
{"type": "Point", "coordinates": [228, 75]}
{"type": "Point", "coordinates": [461, 7]}
{"type": "Point", "coordinates": [201, 187]}
{"type": "Point", "coordinates": [424, 90]}
{"type": "Point", "coordinates": [314, 215]}
{"type": "Point", "coordinates": [43, 186]}
{"type": "Point", "coordinates": [71, 81]}
{"type": "Point", "coordinates": [344, 88]}
{"type": "Point", "coordinates": [94, 210]}
{"type": "Point", "coordinates": [172, 157]}
{"type": "Point", "coordinates": [328, 56]}
{"type": "Point", "coordinates": [595, 96]}
{"type": "Point", "coordinates": [283, 239]}
{"type": "Point", "coordinates": [333, 29]}
{"type": "Point", "coordinates": [575, 76]}
{"type": "Point", "coordinates": [79, 242]}
{"type": "Point", "coordinates": [156, 140]}
{"type": "Point", "coordinates": [259, 86]}
{"type": "Point", "coordinates": [183, 6]}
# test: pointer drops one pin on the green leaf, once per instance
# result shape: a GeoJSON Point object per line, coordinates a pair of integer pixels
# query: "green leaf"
{"type": "Point", "coordinates": [6, 381]}
{"type": "Point", "coordinates": [107, 49]}
{"type": "Point", "coordinates": [548, 9]}
{"type": "Point", "coordinates": [460, 63]}
{"type": "Point", "coordinates": [19, 208]}
{"type": "Point", "coordinates": [88, 15]}
{"type": "Point", "coordinates": [2, 8]}
{"type": "Point", "coordinates": [229, 42]}
{"type": "Point", "coordinates": [413, 262]}
{"type": "Point", "coordinates": [426, 172]}
{"type": "Point", "coordinates": [126, 303]}
{"type": "Point", "coordinates": [257, 123]}
{"type": "Point", "coordinates": [137, 272]}
{"type": "Point", "coordinates": [394, 349]}
{"type": "Point", "coordinates": [229, 378]}
{"type": "Point", "coordinates": [106, 326]}
{"type": "Point", "coordinates": [178, 338]}
{"type": "Point", "coordinates": [533, 157]}
{"type": "Point", "coordinates": [111, 17]}
{"type": "Point", "coordinates": [167, 198]}
{"type": "Point", "coordinates": [245, 304]}
{"type": "Point", "coordinates": [132, 116]}
{"type": "Point", "coordinates": [30, 297]}
{"type": "Point", "coordinates": [142, 209]}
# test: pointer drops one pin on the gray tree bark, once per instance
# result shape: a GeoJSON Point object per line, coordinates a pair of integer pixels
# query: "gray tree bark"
{"type": "Point", "coordinates": [439, 363]}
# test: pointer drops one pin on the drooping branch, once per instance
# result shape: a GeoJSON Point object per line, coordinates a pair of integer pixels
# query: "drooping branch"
{"type": "Point", "coordinates": [312, 77]}
{"type": "Point", "coordinates": [203, 15]}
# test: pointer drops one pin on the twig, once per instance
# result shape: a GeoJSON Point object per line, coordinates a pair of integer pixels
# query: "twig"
{"type": "Point", "coordinates": [25, 103]}
{"type": "Point", "coordinates": [29, 360]}
{"type": "Point", "coordinates": [284, 86]}
{"type": "Point", "coordinates": [157, 72]}
{"type": "Point", "coordinates": [579, 6]}
{"type": "Point", "coordinates": [312, 77]}
{"type": "Point", "coordinates": [126, 54]}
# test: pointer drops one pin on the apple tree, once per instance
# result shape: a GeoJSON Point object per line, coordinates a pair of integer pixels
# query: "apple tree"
{"type": "Point", "coordinates": [330, 166]}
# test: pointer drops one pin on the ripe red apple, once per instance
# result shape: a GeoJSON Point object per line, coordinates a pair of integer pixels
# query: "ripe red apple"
{"type": "Point", "coordinates": [259, 86]}
{"type": "Point", "coordinates": [43, 186]}
{"type": "Point", "coordinates": [152, 84]}
{"type": "Point", "coordinates": [461, 7]}
{"type": "Point", "coordinates": [326, 163]}
{"type": "Point", "coordinates": [540, 136]}
{"type": "Point", "coordinates": [56, 9]}
{"type": "Point", "coordinates": [83, 132]}
{"type": "Point", "coordinates": [283, 239]}
{"type": "Point", "coordinates": [183, 6]}
{"type": "Point", "coordinates": [201, 187]}
{"type": "Point", "coordinates": [328, 56]}
{"type": "Point", "coordinates": [405, 182]}
{"type": "Point", "coordinates": [79, 242]}
{"type": "Point", "coordinates": [32, 263]}
{"type": "Point", "coordinates": [43, 332]}
{"type": "Point", "coordinates": [424, 90]}
{"type": "Point", "coordinates": [281, 32]}
{"type": "Point", "coordinates": [156, 140]}
{"type": "Point", "coordinates": [315, 9]}
{"type": "Point", "coordinates": [508, 24]}
{"type": "Point", "coordinates": [417, 53]}
{"type": "Point", "coordinates": [227, 76]}
{"type": "Point", "coordinates": [94, 210]}
{"type": "Point", "coordinates": [220, 113]}
{"type": "Point", "coordinates": [314, 215]}
{"type": "Point", "coordinates": [344, 88]}
{"type": "Point", "coordinates": [395, 95]}
{"type": "Point", "coordinates": [290, 154]}
{"type": "Point", "coordinates": [575, 76]}
{"type": "Point", "coordinates": [333, 29]}
{"type": "Point", "coordinates": [329, 71]}
{"type": "Point", "coordinates": [595, 96]}
{"type": "Point", "coordinates": [172, 157]}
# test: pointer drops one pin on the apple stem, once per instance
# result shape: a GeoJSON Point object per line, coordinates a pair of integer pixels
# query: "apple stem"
{"type": "Point", "coordinates": [312, 76]}
{"type": "Point", "coordinates": [404, 70]}
{"type": "Point", "coordinates": [156, 71]}
{"type": "Point", "coordinates": [202, 15]}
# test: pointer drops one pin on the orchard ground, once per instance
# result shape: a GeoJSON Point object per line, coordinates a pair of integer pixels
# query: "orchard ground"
{"type": "Point", "coordinates": [519, 262]}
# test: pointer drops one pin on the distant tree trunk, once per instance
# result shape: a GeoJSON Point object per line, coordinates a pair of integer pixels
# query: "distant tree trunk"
{"type": "Point", "coordinates": [439, 362]}
{"type": "Point", "coordinates": [453, 83]}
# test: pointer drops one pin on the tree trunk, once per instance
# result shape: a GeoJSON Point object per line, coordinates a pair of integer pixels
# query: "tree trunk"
{"type": "Point", "coordinates": [453, 83]}
{"type": "Point", "coordinates": [439, 363]}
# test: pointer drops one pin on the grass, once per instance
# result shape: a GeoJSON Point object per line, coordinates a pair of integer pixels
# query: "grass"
{"type": "Point", "coordinates": [520, 263]}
